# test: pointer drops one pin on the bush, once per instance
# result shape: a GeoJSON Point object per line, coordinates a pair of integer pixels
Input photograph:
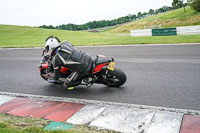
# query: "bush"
{"type": "Point", "coordinates": [195, 4]}
{"type": "Point", "coordinates": [2, 125]}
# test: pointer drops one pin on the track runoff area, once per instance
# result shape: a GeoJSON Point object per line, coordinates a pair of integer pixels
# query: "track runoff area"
{"type": "Point", "coordinates": [119, 117]}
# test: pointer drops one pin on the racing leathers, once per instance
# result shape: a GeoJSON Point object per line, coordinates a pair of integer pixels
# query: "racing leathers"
{"type": "Point", "coordinates": [77, 61]}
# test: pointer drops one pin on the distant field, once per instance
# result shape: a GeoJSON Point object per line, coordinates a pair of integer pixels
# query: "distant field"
{"type": "Point", "coordinates": [172, 18]}
{"type": "Point", "coordinates": [19, 36]}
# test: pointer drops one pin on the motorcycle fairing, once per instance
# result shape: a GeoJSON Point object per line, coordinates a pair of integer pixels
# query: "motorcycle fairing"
{"type": "Point", "coordinates": [99, 62]}
{"type": "Point", "coordinates": [99, 67]}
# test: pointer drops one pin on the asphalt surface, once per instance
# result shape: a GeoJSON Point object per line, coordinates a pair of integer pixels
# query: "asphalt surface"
{"type": "Point", "coordinates": [157, 75]}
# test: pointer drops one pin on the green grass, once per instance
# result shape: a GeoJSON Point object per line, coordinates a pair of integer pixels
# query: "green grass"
{"type": "Point", "coordinates": [178, 14]}
{"type": "Point", "coordinates": [28, 130]}
{"type": "Point", "coordinates": [172, 18]}
{"type": "Point", "coordinates": [14, 124]}
{"type": "Point", "coordinates": [7, 129]}
{"type": "Point", "coordinates": [19, 36]}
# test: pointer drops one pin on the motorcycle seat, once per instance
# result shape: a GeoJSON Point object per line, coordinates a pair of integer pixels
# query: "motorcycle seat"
{"type": "Point", "coordinates": [99, 59]}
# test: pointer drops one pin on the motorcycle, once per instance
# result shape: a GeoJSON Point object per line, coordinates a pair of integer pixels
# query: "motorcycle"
{"type": "Point", "coordinates": [103, 72]}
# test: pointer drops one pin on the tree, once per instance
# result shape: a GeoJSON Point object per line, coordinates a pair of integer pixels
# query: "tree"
{"type": "Point", "coordinates": [151, 12]}
{"type": "Point", "coordinates": [139, 15]}
{"type": "Point", "coordinates": [177, 4]}
{"type": "Point", "coordinates": [183, 6]}
{"type": "Point", "coordinates": [133, 17]}
{"type": "Point", "coordinates": [195, 4]}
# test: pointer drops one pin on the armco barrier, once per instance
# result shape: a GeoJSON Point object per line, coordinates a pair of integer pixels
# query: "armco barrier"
{"type": "Point", "coordinates": [145, 32]}
{"type": "Point", "coordinates": [188, 30]}
{"type": "Point", "coordinates": [185, 30]}
{"type": "Point", "coordinates": [154, 32]}
{"type": "Point", "coordinates": [164, 32]}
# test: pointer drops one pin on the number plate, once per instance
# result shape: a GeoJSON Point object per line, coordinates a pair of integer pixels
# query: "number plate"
{"type": "Point", "coordinates": [111, 66]}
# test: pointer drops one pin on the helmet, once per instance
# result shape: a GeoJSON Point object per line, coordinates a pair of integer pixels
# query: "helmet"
{"type": "Point", "coordinates": [51, 43]}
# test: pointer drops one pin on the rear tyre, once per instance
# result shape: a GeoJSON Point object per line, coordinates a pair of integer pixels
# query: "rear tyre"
{"type": "Point", "coordinates": [115, 78]}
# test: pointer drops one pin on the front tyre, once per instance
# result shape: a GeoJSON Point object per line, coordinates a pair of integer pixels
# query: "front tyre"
{"type": "Point", "coordinates": [43, 73]}
{"type": "Point", "coordinates": [115, 78]}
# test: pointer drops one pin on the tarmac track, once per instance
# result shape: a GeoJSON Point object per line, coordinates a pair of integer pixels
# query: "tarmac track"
{"type": "Point", "coordinates": [158, 75]}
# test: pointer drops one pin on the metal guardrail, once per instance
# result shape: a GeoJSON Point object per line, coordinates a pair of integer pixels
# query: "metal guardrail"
{"type": "Point", "coordinates": [184, 30]}
{"type": "Point", "coordinates": [145, 32]}
{"type": "Point", "coordinates": [164, 32]}
{"type": "Point", "coordinates": [188, 30]}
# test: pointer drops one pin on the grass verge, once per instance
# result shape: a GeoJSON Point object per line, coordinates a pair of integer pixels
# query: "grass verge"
{"type": "Point", "coordinates": [14, 124]}
{"type": "Point", "coordinates": [19, 36]}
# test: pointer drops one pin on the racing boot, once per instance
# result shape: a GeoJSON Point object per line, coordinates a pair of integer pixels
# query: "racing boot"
{"type": "Point", "coordinates": [70, 80]}
{"type": "Point", "coordinates": [68, 85]}
{"type": "Point", "coordinates": [51, 79]}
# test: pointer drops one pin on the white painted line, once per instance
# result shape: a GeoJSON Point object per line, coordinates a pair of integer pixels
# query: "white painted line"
{"type": "Point", "coordinates": [154, 60]}
{"type": "Point", "coordinates": [86, 114]}
{"type": "Point", "coordinates": [165, 122]}
{"type": "Point", "coordinates": [124, 119]}
{"type": "Point", "coordinates": [142, 45]}
{"type": "Point", "coordinates": [127, 45]}
{"type": "Point", "coordinates": [21, 48]}
{"type": "Point", "coordinates": [4, 99]}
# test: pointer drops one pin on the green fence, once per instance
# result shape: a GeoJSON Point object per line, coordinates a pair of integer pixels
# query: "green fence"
{"type": "Point", "coordinates": [164, 32]}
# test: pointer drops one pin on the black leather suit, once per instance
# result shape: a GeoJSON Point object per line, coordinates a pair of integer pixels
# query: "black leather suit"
{"type": "Point", "coordinates": [77, 61]}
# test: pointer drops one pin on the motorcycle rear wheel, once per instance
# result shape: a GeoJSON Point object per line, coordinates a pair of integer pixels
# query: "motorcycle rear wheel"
{"type": "Point", "coordinates": [115, 78]}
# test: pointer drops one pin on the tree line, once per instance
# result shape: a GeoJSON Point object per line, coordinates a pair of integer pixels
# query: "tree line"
{"type": "Point", "coordinates": [194, 4]}
{"type": "Point", "coordinates": [131, 17]}
{"type": "Point", "coordinates": [106, 23]}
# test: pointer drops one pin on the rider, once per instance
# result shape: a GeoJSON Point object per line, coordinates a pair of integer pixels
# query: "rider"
{"type": "Point", "coordinates": [66, 55]}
